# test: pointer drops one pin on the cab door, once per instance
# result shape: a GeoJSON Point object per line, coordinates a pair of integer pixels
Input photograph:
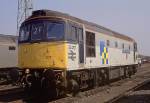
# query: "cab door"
{"type": "Point", "coordinates": [81, 45]}
{"type": "Point", "coordinates": [75, 36]}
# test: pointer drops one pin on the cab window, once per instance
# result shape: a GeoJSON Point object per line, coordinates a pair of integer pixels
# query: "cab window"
{"type": "Point", "coordinates": [90, 44]}
{"type": "Point", "coordinates": [72, 35]}
{"type": "Point", "coordinates": [24, 33]}
{"type": "Point", "coordinates": [55, 30]}
{"type": "Point", "coordinates": [37, 31]}
{"type": "Point", "coordinates": [41, 30]}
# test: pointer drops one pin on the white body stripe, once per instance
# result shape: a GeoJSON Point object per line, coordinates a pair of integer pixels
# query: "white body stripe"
{"type": "Point", "coordinates": [116, 57]}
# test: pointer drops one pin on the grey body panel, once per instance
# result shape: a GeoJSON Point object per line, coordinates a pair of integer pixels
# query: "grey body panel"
{"type": "Point", "coordinates": [8, 51]}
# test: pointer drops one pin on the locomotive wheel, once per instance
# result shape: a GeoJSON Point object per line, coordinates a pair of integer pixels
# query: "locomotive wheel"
{"type": "Point", "coordinates": [127, 73]}
{"type": "Point", "coordinates": [134, 70]}
{"type": "Point", "coordinates": [91, 80]}
{"type": "Point", "coordinates": [48, 84]}
{"type": "Point", "coordinates": [106, 78]}
{"type": "Point", "coordinates": [48, 88]}
{"type": "Point", "coordinates": [32, 85]}
{"type": "Point", "coordinates": [102, 78]}
{"type": "Point", "coordinates": [130, 72]}
{"type": "Point", "coordinates": [49, 74]}
{"type": "Point", "coordinates": [73, 87]}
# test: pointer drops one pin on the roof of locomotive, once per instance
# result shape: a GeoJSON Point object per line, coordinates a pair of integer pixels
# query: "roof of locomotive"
{"type": "Point", "coordinates": [87, 24]}
{"type": "Point", "coordinates": [7, 38]}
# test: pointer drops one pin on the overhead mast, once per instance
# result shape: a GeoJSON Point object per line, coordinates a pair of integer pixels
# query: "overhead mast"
{"type": "Point", "coordinates": [25, 8]}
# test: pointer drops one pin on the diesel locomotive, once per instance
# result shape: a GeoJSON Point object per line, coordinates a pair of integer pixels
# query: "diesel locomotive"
{"type": "Point", "coordinates": [61, 53]}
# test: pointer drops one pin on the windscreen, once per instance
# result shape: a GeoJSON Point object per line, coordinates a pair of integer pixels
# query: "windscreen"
{"type": "Point", "coordinates": [24, 33]}
{"type": "Point", "coordinates": [55, 30]}
{"type": "Point", "coordinates": [37, 31]}
{"type": "Point", "coordinates": [41, 30]}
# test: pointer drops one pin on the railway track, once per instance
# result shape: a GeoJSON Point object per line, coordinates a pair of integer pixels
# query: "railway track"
{"type": "Point", "coordinates": [9, 93]}
{"type": "Point", "coordinates": [116, 99]}
{"type": "Point", "coordinates": [140, 94]}
{"type": "Point", "coordinates": [8, 89]}
{"type": "Point", "coordinates": [110, 93]}
{"type": "Point", "coordinates": [104, 94]}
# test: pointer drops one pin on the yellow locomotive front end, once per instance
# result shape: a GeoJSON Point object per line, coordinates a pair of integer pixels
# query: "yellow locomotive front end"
{"type": "Point", "coordinates": [42, 45]}
{"type": "Point", "coordinates": [42, 53]}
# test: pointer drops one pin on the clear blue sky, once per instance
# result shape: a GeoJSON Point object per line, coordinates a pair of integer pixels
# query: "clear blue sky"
{"type": "Point", "coordinates": [130, 17]}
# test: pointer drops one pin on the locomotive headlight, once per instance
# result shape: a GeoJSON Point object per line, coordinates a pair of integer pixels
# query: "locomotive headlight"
{"type": "Point", "coordinates": [27, 71]}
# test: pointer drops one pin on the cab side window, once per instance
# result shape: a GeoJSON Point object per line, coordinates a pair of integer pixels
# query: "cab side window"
{"type": "Point", "coordinates": [90, 44]}
{"type": "Point", "coordinates": [72, 33]}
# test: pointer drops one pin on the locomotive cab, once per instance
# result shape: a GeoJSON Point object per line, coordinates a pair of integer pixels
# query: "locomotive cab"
{"type": "Point", "coordinates": [48, 46]}
{"type": "Point", "coordinates": [42, 44]}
